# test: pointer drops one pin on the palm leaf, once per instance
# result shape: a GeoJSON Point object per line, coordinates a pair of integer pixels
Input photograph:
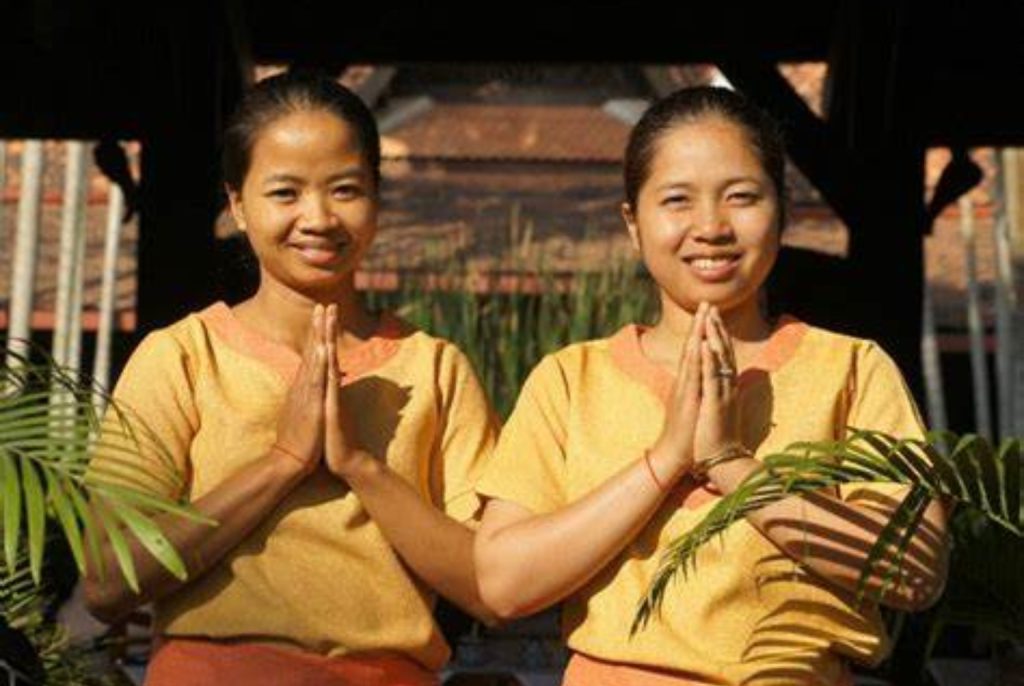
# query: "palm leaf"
{"type": "Point", "coordinates": [12, 509]}
{"type": "Point", "coordinates": [971, 473]}
{"type": "Point", "coordinates": [35, 506]}
{"type": "Point", "coordinates": [984, 587]}
{"type": "Point", "coordinates": [1012, 487]}
{"type": "Point", "coordinates": [65, 513]}
{"type": "Point", "coordinates": [895, 535]}
{"type": "Point", "coordinates": [49, 429]}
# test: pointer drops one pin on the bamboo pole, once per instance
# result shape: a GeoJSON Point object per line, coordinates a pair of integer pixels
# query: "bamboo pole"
{"type": "Point", "coordinates": [934, 390]}
{"type": "Point", "coordinates": [975, 326]}
{"type": "Point", "coordinates": [70, 257]}
{"type": "Point", "coordinates": [1006, 301]}
{"type": "Point", "coordinates": [3, 188]}
{"type": "Point", "coordinates": [108, 292]}
{"type": "Point", "coordinates": [1014, 190]}
{"type": "Point", "coordinates": [77, 287]}
{"type": "Point", "coordinates": [23, 270]}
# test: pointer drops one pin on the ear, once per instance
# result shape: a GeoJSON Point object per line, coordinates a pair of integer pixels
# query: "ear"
{"type": "Point", "coordinates": [235, 205]}
{"type": "Point", "coordinates": [634, 232]}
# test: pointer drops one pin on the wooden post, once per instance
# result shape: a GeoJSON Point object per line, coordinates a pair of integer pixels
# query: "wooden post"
{"type": "Point", "coordinates": [931, 362]}
{"type": "Point", "coordinates": [1006, 300]}
{"type": "Point", "coordinates": [3, 186]}
{"type": "Point", "coordinates": [1013, 189]}
{"type": "Point", "coordinates": [192, 90]}
{"type": "Point", "coordinates": [975, 327]}
{"type": "Point", "coordinates": [23, 272]}
{"type": "Point", "coordinates": [69, 269]}
{"type": "Point", "coordinates": [108, 292]}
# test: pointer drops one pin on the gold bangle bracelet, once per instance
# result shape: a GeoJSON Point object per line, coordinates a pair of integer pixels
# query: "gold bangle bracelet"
{"type": "Point", "coordinates": [731, 452]}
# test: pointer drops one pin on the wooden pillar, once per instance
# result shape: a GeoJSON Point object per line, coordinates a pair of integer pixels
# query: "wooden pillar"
{"type": "Point", "coordinates": [1011, 292]}
{"type": "Point", "coordinates": [872, 111]}
{"type": "Point", "coordinates": [196, 80]}
{"type": "Point", "coordinates": [868, 163]}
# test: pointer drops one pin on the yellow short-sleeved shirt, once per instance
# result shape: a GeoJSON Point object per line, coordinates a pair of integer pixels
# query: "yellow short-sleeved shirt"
{"type": "Point", "coordinates": [318, 573]}
{"type": "Point", "coordinates": [749, 614]}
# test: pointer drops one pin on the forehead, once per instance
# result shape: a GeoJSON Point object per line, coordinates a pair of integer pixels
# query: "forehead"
{"type": "Point", "coordinates": [707, 146]}
{"type": "Point", "coordinates": [304, 139]}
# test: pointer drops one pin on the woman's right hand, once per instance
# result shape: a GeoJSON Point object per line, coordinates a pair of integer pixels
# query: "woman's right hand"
{"type": "Point", "coordinates": [674, 448]}
{"type": "Point", "coordinates": [300, 426]}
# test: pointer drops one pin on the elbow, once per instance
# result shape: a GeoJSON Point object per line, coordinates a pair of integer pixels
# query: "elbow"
{"type": "Point", "coordinates": [500, 589]}
{"type": "Point", "coordinates": [924, 596]}
{"type": "Point", "coordinates": [917, 595]}
{"type": "Point", "coordinates": [503, 599]}
{"type": "Point", "coordinates": [926, 583]}
{"type": "Point", "coordinates": [104, 601]}
{"type": "Point", "coordinates": [486, 616]}
{"type": "Point", "coordinates": [507, 584]}
{"type": "Point", "coordinates": [504, 610]}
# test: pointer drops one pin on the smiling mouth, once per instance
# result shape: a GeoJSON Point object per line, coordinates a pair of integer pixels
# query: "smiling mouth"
{"type": "Point", "coordinates": [713, 268]}
{"type": "Point", "coordinates": [320, 254]}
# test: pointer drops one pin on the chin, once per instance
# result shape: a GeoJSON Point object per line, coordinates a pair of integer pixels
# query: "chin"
{"type": "Point", "coordinates": [720, 298]}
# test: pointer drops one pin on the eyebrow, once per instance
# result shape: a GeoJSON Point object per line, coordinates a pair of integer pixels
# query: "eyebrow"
{"type": "Point", "coordinates": [727, 182]}
{"type": "Point", "coordinates": [351, 172]}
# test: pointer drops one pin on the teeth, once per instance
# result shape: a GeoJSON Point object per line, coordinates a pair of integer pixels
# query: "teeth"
{"type": "Point", "coordinates": [711, 262]}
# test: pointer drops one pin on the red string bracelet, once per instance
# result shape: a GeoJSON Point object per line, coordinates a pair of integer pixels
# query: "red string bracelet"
{"type": "Point", "coordinates": [650, 470]}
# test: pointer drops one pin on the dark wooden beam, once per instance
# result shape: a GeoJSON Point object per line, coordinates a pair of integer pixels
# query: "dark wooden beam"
{"type": "Point", "coordinates": [194, 83]}
{"type": "Point", "coordinates": [811, 142]}
{"type": "Point", "coordinates": [867, 160]}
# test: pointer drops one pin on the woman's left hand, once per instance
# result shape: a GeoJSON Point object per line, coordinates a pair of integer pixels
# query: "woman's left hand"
{"type": "Point", "coordinates": [341, 454]}
{"type": "Point", "coordinates": [718, 417]}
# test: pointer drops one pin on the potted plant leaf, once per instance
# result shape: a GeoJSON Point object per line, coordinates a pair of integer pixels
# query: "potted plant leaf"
{"type": "Point", "coordinates": [984, 587]}
{"type": "Point", "coordinates": [50, 425]}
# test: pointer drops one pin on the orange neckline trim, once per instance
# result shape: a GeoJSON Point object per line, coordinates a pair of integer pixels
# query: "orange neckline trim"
{"type": "Point", "coordinates": [356, 362]}
{"type": "Point", "coordinates": [629, 356]}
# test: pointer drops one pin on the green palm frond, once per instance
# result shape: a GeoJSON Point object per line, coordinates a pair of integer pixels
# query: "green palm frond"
{"type": "Point", "coordinates": [49, 429]}
{"type": "Point", "coordinates": [983, 586]}
{"type": "Point", "coordinates": [966, 470]}
{"type": "Point", "coordinates": [21, 599]}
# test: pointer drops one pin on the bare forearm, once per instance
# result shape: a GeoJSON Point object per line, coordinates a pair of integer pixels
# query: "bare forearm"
{"type": "Point", "coordinates": [436, 547]}
{"type": "Point", "coordinates": [237, 506]}
{"type": "Point", "coordinates": [534, 561]}
{"type": "Point", "coordinates": [832, 538]}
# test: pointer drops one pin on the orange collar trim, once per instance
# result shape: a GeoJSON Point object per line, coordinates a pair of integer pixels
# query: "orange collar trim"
{"type": "Point", "coordinates": [355, 362]}
{"type": "Point", "coordinates": [629, 356]}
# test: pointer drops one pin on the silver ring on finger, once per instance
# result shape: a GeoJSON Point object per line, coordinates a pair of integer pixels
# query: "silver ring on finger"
{"type": "Point", "coordinates": [725, 373]}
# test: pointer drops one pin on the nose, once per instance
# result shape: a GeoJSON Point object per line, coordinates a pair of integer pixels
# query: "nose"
{"type": "Point", "coordinates": [711, 223]}
{"type": "Point", "coordinates": [317, 213]}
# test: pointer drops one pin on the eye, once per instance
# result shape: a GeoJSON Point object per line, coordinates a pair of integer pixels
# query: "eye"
{"type": "Point", "coordinates": [347, 191]}
{"type": "Point", "coordinates": [282, 194]}
{"type": "Point", "coordinates": [744, 198]}
{"type": "Point", "coordinates": [676, 200]}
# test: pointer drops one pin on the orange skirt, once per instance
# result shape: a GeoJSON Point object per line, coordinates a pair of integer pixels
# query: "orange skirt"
{"type": "Point", "coordinates": [589, 671]}
{"type": "Point", "coordinates": [188, 662]}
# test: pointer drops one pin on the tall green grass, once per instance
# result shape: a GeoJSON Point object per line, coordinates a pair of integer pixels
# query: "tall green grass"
{"type": "Point", "coordinates": [506, 330]}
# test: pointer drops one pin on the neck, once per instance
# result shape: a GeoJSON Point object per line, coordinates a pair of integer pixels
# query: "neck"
{"type": "Point", "coordinates": [285, 314]}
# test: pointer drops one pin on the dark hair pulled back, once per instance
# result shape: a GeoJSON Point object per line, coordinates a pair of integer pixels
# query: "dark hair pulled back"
{"type": "Point", "coordinates": [287, 93]}
{"type": "Point", "coordinates": [689, 105]}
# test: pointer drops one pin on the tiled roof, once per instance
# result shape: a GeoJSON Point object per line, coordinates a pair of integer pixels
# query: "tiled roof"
{"type": "Point", "coordinates": [448, 189]}
{"type": "Point", "coordinates": [565, 133]}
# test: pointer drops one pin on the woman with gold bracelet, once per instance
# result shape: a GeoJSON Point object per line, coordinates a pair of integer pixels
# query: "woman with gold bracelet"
{"type": "Point", "coordinates": [617, 446]}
